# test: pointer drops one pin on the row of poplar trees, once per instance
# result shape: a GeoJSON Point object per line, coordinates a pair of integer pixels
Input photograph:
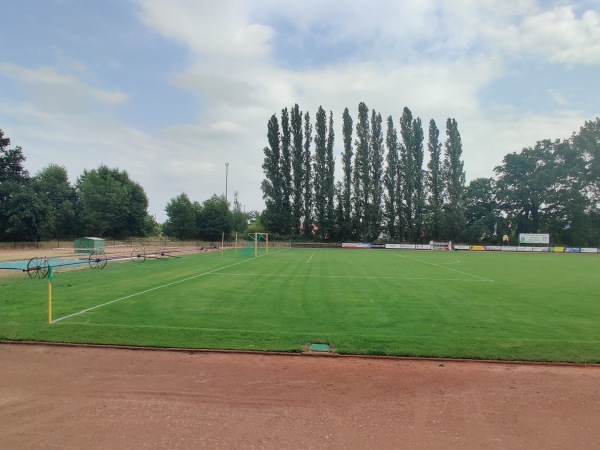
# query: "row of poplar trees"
{"type": "Point", "coordinates": [383, 188]}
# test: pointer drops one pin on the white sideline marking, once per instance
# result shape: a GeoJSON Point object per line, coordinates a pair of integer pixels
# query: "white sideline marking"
{"type": "Point", "coordinates": [235, 274]}
{"type": "Point", "coordinates": [311, 257]}
{"type": "Point", "coordinates": [447, 268]}
{"type": "Point", "coordinates": [152, 289]}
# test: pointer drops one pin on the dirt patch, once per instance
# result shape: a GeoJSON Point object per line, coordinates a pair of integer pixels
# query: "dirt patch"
{"type": "Point", "coordinates": [73, 398]}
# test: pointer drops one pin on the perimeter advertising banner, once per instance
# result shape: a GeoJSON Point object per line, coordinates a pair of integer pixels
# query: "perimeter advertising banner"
{"type": "Point", "coordinates": [356, 245]}
{"type": "Point", "coordinates": [534, 238]}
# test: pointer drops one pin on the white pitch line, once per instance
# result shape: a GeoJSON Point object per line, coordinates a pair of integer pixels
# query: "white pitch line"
{"type": "Point", "coordinates": [236, 274]}
{"type": "Point", "coordinates": [150, 290]}
{"type": "Point", "coordinates": [447, 268]}
{"type": "Point", "coordinates": [311, 257]}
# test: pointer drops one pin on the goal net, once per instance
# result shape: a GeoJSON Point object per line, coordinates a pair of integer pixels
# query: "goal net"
{"type": "Point", "coordinates": [440, 245]}
{"type": "Point", "coordinates": [254, 245]}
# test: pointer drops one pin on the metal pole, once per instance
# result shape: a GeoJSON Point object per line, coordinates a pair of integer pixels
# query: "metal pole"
{"type": "Point", "coordinates": [226, 174]}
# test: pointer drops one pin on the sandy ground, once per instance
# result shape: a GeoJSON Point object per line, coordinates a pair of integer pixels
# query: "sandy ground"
{"type": "Point", "coordinates": [76, 397]}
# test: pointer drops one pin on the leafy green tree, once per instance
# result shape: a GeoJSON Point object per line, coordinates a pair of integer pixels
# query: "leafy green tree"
{"type": "Point", "coordinates": [52, 187]}
{"type": "Point", "coordinates": [481, 211]}
{"type": "Point", "coordinates": [587, 145]}
{"type": "Point", "coordinates": [454, 176]}
{"type": "Point", "coordinates": [21, 212]}
{"type": "Point", "coordinates": [256, 223]}
{"type": "Point", "coordinates": [111, 204]}
{"type": "Point", "coordinates": [182, 216]}
{"type": "Point", "coordinates": [239, 218]}
{"type": "Point", "coordinates": [435, 184]}
{"type": "Point", "coordinates": [214, 218]}
{"type": "Point", "coordinates": [542, 187]}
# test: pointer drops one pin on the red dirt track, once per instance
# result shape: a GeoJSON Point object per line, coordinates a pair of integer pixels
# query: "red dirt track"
{"type": "Point", "coordinates": [55, 397]}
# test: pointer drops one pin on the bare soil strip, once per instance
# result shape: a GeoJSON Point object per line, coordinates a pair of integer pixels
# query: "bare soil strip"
{"type": "Point", "coordinates": [88, 397]}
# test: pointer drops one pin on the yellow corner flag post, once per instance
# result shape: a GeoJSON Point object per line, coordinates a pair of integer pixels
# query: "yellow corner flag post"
{"type": "Point", "coordinates": [50, 278]}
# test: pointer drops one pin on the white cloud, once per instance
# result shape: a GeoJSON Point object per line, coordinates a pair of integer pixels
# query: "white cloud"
{"type": "Point", "coordinates": [246, 60]}
{"type": "Point", "coordinates": [216, 29]}
{"type": "Point", "coordinates": [556, 35]}
{"type": "Point", "coordinates": [54, 91]}
{"type": "Point", "coordinates": [557, 97]}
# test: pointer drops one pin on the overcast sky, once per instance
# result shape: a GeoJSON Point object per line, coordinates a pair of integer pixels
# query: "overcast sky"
{"type": "Point", "coordinates": [172, 90]}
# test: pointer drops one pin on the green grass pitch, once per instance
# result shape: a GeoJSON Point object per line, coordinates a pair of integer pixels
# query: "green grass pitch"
{"type": "Point", "coordinates": [510, 306]}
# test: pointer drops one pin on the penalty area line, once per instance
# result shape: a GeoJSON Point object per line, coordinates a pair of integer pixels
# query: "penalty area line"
{"type": "Point", "coordinates": [150, 290]}
{"type": "Point", "coordinates": [446, 268]}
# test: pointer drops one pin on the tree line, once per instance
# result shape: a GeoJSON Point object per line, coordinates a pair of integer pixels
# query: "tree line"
{"type": "Point", "coordinates": [187, 219]}
{"type": "Point", "coordinates": [103, 202]}
{"type": "Point", "coordinates": [386, 192]}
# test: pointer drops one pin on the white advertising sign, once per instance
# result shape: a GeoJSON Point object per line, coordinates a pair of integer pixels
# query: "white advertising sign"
{"type": "Point", "coordinates": [534, 238]}
{"type": "Point", "coordinates": [403, 246]}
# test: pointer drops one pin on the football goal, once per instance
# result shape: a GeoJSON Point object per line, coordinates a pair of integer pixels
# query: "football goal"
{"type": "Point", "coordinates": [255, 244]}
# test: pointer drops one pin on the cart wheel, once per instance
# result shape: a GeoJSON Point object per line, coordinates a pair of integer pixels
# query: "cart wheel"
{"type": "Point", "coordinates": [37, 267]}
{"type": "Point", "coordinates": [162, 254]}
{"type": "Point", "coordinates": [138, 256]}
{"type": "Point", "coordinates": [98, 260]}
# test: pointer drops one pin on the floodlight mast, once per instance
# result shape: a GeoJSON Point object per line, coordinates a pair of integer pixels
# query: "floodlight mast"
{"type": "Point", "coordinates": [226, 175]}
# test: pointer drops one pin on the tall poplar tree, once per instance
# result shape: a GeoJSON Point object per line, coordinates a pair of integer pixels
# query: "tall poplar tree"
{"type": "Point", "coordinates": [361, 178]}
{"type": "Point", "coordinates": [286, 172]}
{"type": "Point", "coordinates": [454, 175]}
{"type": "Point", "coordinates": [329, 181]}
{"type": "Point", "coordinates": [435, 183]}
{"type": "Point", "coordinates": [307, 184]}
{"type": "Point", "coordinates": [408, 173]}
{"type": "Point", "coordinates": [419, 186]}
{"type": "Point", "coordinates": [346, 190]}
{"type": "Point", "coordinates": [320, 171]}
{"type": "Point", "coordinates": [272, 185]}
{"type": "Point", "coordinates": [391, 180]}
{"type": "Point", "coordinates": [376, 176]}
{"type": "Point", "coordinates": [297, 168]}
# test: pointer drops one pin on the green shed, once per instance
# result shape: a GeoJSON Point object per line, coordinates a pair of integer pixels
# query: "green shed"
{"type": "Point", "coordinates": [88, 245]}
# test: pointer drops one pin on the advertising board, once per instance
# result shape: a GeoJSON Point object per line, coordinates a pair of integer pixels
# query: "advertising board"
{"type": "Point", "coordinates": [356, 245]}
{"type": "Point", "coordinates": [534, 238]}
{"type": "Point", "coordinates": [400, 246]}
{"type": "Point", "coordinates": [493, 248]}
{"type": "Point", "coordinates": [423, 247]}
